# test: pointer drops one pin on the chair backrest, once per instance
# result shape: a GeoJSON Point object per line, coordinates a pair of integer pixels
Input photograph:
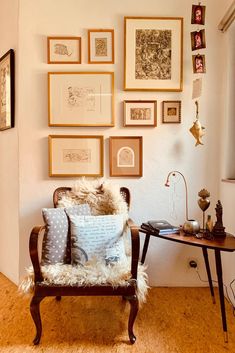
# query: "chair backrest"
{"type": "Point", "coordinates": [59, 192]}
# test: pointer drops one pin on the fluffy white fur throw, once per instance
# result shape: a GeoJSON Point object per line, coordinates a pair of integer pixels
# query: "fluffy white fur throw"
{"type": "Point", "coordinates": [93, 273]}
{"type": "Point", "coordinates": [103, 197]}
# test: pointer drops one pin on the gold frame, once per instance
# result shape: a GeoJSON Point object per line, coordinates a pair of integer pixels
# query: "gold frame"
{"type": "Point", "coordinates": [153, 124]}
{"type": "Point", "coordinates": [90, 61]}
{"type": "Point", "coordinates": [79, 39]}
{"type": "Point", "coordinates": [101, 155]}
{"type": "Point", "coordinates": [164, 118]}
{"type": "Point", "coordinates": [180, 68]}
{"type": "Point", "coordinates": [111, 118]}
{"type": "Point", "coordinates": [126, 170]}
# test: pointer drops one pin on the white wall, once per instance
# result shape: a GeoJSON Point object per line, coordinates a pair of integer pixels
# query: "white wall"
{"type": "Point", "coordinates": [9, 156]}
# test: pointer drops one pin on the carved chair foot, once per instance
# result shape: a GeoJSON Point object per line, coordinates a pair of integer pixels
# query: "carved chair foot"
{"type": "Point", "coordinates": [35, 313]}
{"type": "Point", "coordinates": [58, 298]}
{"type": "Point", "coordinates": [133, 313]}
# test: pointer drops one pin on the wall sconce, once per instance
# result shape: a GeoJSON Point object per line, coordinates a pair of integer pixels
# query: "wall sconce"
{"type": "Point", "coordinates": [190, 226]}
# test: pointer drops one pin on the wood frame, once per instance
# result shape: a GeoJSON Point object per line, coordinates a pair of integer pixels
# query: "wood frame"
{"type": "Point", "coordinates": [174, 118]}
{"type": "Point", "coordinates": [199, 43]}
{"type": "Point", "coordinates": [135, 145]}
{"type": "Point", "coordinates": [139, 122]}
{"type": "Point", "coordinates": [77, 155]}
{"type": "Point", "coordinates": [111, 50]}
{"type": "Point", "coordinates": [169, 78]}
{"type": "Point", "coordinates": [200, 20]}
{"type": "Point", "coordinates": [95, 106]}
{"type": "Point", "coordinates": [7, 90]}
{"type": "Point", "coordinates": [199, 67]}
{"type": "Point", "coordinates": [64, 40]}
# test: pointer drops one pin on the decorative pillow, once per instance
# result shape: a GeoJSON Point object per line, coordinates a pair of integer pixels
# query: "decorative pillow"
{"type": "Point", "coordinates": [97, 237]}
{"type": "Point", "coordinates": [56, 242]}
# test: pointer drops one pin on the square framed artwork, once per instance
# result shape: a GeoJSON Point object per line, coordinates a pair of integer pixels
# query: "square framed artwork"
{"type": "Point", "coordinates": [75, 155]}
{"type": "Point", "coordinates": [199, 64]}
{"type": "Point", "coordinates": [153, 53]}
{"type": "Point", "coordinates": [198, 14]}
{"type": "Point", "coordinates": [140, 113]}
{"type": "Point", "coordinates": [125, 156]}
{"type": "Point", "coordinates": [64, 50]}
{"type": "Point", "coordinates": [171, 112]}
{"type": "Point", "coordinates": [198, 40]}
{"type": "Point", "coordinates": [81, 98]}
{"type": "Point", "coordinates": [101, 46]}
{"type": "Point", "coordinates": [7, 90]}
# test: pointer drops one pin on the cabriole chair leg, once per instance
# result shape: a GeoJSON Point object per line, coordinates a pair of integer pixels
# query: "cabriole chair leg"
{"type": "Point", "coordinates": [134, 303]}
{"type": "Point", "coordinates": [35, 313]}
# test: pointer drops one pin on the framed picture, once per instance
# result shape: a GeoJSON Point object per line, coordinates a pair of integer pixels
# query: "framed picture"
{"type": "Point", "coordinates": [198, 14]}
{"type": "Point", "coordinates": [64, 50]}
{"type": "Point", "coordinates": [125, 156]}
{"type": "Point", "coordinates": [75, 155]}
{"type": "Point", "coordinates": [7, 88]}
{"type": "Point", "coordinates": [199, 64]}
{"type": "Point", "coordinates": [140, 113]}
{"type": "Point", "coordinates": [153, 53]}
{"type": "Point", "coordinates": [81, 98]}
{"type": "Point", "coordinates": [101, 46]}
{"type": "Point", "coordinates": [171, 112]}
{"type": "Point", "coordinates": [198, 39]}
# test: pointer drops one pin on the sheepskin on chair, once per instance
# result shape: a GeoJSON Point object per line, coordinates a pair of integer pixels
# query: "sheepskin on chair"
{"type": "Point", "coordinates": [103, 198]}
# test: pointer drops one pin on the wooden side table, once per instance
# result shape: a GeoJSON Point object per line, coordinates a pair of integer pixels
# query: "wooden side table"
{"type": "Point", "coordinates": [216, 244]}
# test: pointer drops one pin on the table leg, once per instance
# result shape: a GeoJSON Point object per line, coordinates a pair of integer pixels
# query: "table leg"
{"type": "Point", "coordinates": [146, 244]}
{"type": "Point", "coordinates": [221, 292]}
{"type": "Point", "coordinates": [205, 254]}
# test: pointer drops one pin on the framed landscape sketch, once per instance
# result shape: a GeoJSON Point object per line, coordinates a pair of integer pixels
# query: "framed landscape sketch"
{"type": "Point", "coordinates": [171, 112]}
{"type": "Point", "coordinates": [125, 156]}
{"type": "Point", "coordinates": [153, 53]}
{"type": "Point", "coordinates": [101, 46]}
{"type": "Point", "coordinates": [81, 98]}
{"type": "Point", "coordinates": [75, 155]}
{"type": "Point", "coordinates": [64, 50]}
{"type": "Point", "coordinates": [140, 113]}
{"type": "Point", "coordinates": [7, 87]}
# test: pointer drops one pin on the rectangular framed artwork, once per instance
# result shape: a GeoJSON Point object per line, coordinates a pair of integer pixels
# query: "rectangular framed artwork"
{"type": "Point", "coordinates": [125, 156]}
{"type": "Point", "coordinates": [75, 155]}
{"type": "Point", "coordinates": [171, 112]}
{"type": "Point", "coordinates": [153, 53]}
{"type": "Point", "coordinates": [64, 50]}
{"type": "Point", "coordinates": [101, 46]}
{"type": "Point", "coordinates": [140, 113]}
{"type": "Point", "coordinates": [7, 88]}
{"type": "Point", "coordinates": [198, 40]}
{"type": "Point", "coordinates": [81, 98]}
{"type": "Point", "coordinates": [199, 64]}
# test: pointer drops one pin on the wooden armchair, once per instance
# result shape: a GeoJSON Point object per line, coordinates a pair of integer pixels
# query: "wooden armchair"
{"type": "Point", "coordinates": [42, 290]}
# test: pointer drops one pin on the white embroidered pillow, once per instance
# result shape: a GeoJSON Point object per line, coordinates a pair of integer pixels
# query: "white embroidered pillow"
{"type": "Point", "coordinates": [98, 237]}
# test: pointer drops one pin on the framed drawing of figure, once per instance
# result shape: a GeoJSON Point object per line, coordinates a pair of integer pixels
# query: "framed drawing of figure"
{"type": "Point", "coordinates": [7, 87]}
{"type": "Point", "coordinates": [198, 14]}
{"type": "Point", "coordinates": [199, 65]}
{"type": "Point", "coordinates": [198, 40]}
{"type": "Point", "coordinates": [101, 46]}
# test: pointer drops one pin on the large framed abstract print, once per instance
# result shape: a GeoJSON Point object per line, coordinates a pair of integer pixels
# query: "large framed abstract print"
{"type": "Point", "coordinates": [7, 87]}
{"type": "Point", "coordinates": [76, 155]}
{"type": "Point", "coordinates": [153, 53]}
{"type": "Point", "coordinates": [81, 98]}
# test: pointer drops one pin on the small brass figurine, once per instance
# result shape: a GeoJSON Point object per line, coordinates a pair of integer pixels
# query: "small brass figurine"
{"type": "Point", "coordinates": [218, 229]}
{"type": "Point", "coordinates": [203, 203]}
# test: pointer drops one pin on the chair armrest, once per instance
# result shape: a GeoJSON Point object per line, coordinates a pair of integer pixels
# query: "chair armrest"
{"type": "Point", "coordinates": [135, 247]}
{"type": "Point", "coordinates": [33, 251]}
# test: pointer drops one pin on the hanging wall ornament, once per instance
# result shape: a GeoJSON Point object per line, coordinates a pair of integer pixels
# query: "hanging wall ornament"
{"type": "Point", "coordinates": [198, 14]}
{"type": "Point", "coordinates": [197, 130]}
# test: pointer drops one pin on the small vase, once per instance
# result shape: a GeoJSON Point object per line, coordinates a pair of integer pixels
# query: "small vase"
{"type": "Point", "coordinates": [191, 226]}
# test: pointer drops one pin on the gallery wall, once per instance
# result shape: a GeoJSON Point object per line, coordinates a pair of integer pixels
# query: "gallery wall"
{"type": "Point", "coordinates": [166, 147]}
{"type": "Point", "coordinates": [9, 158]}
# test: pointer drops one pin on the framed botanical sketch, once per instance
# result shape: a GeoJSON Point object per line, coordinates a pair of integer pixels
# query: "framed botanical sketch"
{"type": "Point", "coordinates": [198, 14]}
{"type": "Point", "coordinates": [171, 112]}
{"type": "Point", "coordinates": [140, 113]}
{"type": "Point", "coordinates": [75, 155]}
{"type": "Point", "coordinates": [81, 98]}
{"type": "Point", "coordinates": [199, 64]}
{"type": "Point", "coordinates": [7, 87]}
{"type": "Point", "coordinates": [153, 53]}
{"type": "Point", "coordinates": [125, 156]}
{"type": "Point", "coordinates": [101, 46]}
{"type": "Point", "coordinates": [198, 40]}
{"type": "Point", "coordinates": [64, 50]}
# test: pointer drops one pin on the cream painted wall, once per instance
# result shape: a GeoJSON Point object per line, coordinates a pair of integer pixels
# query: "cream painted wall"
{"type": "Point", "coordinates": [165, 147]}
{"type": "Point", "coordinates": [9, 157]}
